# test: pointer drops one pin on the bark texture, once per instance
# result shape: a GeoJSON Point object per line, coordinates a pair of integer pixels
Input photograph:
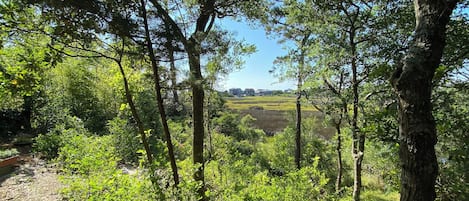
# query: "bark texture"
{"type": "Point", "coordinates": [413, 84]}
{"type": "Point", "coordinates": [193, 49]}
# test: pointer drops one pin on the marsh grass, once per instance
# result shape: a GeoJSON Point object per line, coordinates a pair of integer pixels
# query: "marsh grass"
{"type": "Point", "coordinates": [276, 103]}
{"type": "Point", "coordinates": [275, 113]}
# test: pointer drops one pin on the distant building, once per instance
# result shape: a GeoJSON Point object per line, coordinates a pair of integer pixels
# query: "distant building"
{"type": "Point", "coordinates": [249, 92]}
{"type": "Point", "coordinates": [236, 91]}
{"type": "Point", "coordinates": [263, 92]}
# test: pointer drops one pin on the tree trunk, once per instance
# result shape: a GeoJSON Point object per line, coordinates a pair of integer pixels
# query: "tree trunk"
{"type": "Point", "coordinates": [208, 122]}
{"type": "Point", "coordinates": [133, 110]}
{"type": "Point", "coordinates": [26, 114]}
{"type": "Point", "coordinates": [338, 181]}
{"type": "Point", "coordinates": [358, 138]}
{"type": "Point", "coordinates": [159, 99]}
{"type": "Point", "coordinates": [298, 132]}
{"type": "Point", "coordinates": [413, 85]}
{"type": "Point", "coordinates": [193, 51]}
{"type": "Point", "coordinates": [204, 24]}
{"type": "Point", "coordinates": [298, 126]}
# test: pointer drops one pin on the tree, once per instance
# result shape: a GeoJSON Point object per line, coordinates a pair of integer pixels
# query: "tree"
{"type": "Point", "coordinates": [156, 77]}
{"type": "Point", "coordinates": [342, 34]}
{"type": "Point", "coordinates": [412, 82]}
{"type": "Point", "coordinates": [24, 58]}
{"type": "Point", "coordinates": [203, 14]}
{"type": "Point", "coordinates": [297, 37]}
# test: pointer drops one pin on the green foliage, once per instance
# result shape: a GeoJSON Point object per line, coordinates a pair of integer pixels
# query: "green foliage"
{"type": "Point", "coordinates": [227, 124]}
{"type": "Point", "coordinates": [382, 161]}
{"type": "Point", "coordinates": [91, 173]}
{"type": "Point", "coordinates": [379, 196]}
{"type": "Point", "coordinates": [84, 155]}
{"type": "Point", "coordinates": [243, 181]}
{"type": "Point", "coordinates": [240, 129]}
{"type": "Point", "coordinates": [8, 153]}
{"type": "Point", "coordinates": [125, 139]}
{"type": "Point", "coordinates": [276, 153]}
{"type": "Point", "coordinates": [450, 111]}
{"type": "Point", "coordinates": [49, 144]}
{"type": "Point", "coordinates": [107, 186]}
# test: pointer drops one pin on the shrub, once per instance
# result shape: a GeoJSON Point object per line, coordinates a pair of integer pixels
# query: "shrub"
{"type": "Point", "coordinates": [49, 144]}
{"type": "Point", "coordinates": [125, 139]}
{"type": "Point", "coordinates": [83, 155]}
{"type": "Point", "coordinates": [91, 172]}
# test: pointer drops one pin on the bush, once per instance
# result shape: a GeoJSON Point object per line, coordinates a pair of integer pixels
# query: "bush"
{"type": "Point", "coordinates": [125, 139]}
{"type": "Point", "coordinates": [241, 180]}
{"type": "Point", "coordinates": [91, 172]}
{"type": "Point", "coordinates": [49, 144]}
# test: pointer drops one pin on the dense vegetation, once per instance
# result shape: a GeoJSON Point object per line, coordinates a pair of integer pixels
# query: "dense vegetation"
{"type": "Point", "coordinates": [120, 95]}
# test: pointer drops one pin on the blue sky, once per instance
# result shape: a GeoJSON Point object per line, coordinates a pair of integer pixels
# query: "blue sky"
{"type": "Point", "coordinates": [255, 73]}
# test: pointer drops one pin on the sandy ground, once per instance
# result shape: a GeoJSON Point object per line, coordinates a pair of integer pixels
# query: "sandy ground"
{"type": "Point", "coordinates": [32, 180]}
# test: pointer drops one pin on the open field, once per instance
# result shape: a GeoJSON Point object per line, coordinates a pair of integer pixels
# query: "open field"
{"type": "Point", "coordinates": [274, 113]}
{"type": "Point", "coordinates": [277, 103]}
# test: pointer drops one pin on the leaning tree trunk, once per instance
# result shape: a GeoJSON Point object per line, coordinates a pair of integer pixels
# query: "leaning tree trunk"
{"type": "Point", "coordinates": [135, 115]}
{"type": "Point", "coordinates": [159, 98]}
{"type": "Point", "coordinates": [413, 84]}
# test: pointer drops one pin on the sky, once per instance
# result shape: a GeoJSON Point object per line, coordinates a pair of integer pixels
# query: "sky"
{"type": "Point", "coordinates": [255, 73]}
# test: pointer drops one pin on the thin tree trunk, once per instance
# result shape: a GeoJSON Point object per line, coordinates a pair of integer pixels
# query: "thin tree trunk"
{"type": "Point", "coordinates": [159, 99]}
{"type": "Point", "coordinates": [135, 115]}
{"type": "Point", "coordinates": [413, 84]}
{"type": "Point", "coordinates": [208, 123]}
{"type": "Point", "coordinates": [338, 124]}
{"type": "Point", "coordinates": [357, 136]}
{"type": "Point", "coordinates": [338, 181]}
{"type": "Point", "coordinates": [26, 113]}
{"type": "Point", "coordinates": [301, 67]}
{"type": "Point", "coordinates": [298, 126]}
{"type": "Point", "coordinates": [133, 109]}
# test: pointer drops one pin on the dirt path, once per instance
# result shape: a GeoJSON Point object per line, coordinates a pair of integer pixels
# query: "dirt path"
{"type": "Point", "coordinates": [33, 180]}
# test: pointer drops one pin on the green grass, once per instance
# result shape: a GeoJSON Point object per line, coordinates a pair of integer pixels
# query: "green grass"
{"type": "Point", "coordinates": [277, 103]}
